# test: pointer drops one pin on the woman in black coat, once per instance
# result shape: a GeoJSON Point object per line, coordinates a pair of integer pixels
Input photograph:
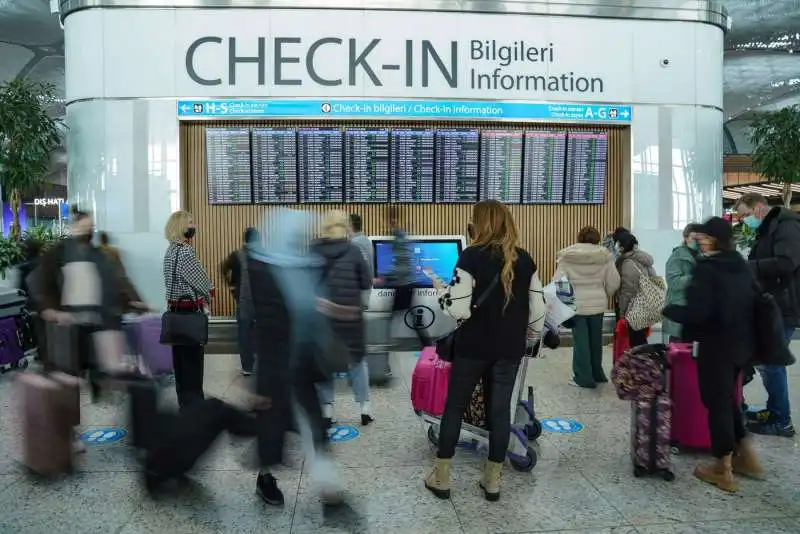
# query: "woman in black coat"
{"type": "Point", "coordinates": [345, 277]}
{"type": "Point", "coordinates": [720, 315]}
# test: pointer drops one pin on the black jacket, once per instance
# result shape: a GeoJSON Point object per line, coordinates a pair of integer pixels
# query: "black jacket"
{"type": "Point", "coordinates": [775, 260]}
{"type": "Point", "coordinates": [720, 309]}
{"type": "Point", "coordinates": [346, 277]}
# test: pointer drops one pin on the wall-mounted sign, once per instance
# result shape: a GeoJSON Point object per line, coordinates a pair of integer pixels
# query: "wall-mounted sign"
{"type": "Point", "coordinates": [48, 201]}
{"type": "Point", "coordinates": [419, 109]}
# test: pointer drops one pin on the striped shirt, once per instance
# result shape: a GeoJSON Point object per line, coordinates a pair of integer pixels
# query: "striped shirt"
{"type": "Point", "coordinates": [184, 276]}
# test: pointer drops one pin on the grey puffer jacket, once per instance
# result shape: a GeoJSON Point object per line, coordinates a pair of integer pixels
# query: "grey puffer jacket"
{"type": "Point", "coordinates": [346, 275]}
{"type": "Point", "coordinates": [632, 265]}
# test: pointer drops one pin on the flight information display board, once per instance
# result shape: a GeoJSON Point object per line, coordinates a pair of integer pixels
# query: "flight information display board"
{"type": "Point", "coordinates": [545, 162]}
{"type": "Point", "coordinates": [320, 165]}
{"type": "Point", "coordinates": [501, 166]}
{"type": "Point", "coordinates": [274, 165]}
{"type": "Point", "coordinates": [587, 166]}
{"type": "Point", "coordinates": [367, 165]}
{"type": "Point", "coordinates": [228, 166]}
{"type": "Point", "coordinates": [457, 166]}
{"type": "Point", "coordinates": [413, 166]}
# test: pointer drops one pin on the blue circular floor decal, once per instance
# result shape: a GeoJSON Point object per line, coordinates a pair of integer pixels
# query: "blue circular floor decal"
{"type": "Point", "coordinates": [562, 426]}
{"type": "Point", "coordinates": [343, 433]}
{"type": "Point", "coordinates": [100, 436]}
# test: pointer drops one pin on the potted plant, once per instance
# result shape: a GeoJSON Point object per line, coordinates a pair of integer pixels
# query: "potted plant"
{"type": "Point", "coordinates": [775, 137]}
{"type": "Point", "coordinates": [28, 136]}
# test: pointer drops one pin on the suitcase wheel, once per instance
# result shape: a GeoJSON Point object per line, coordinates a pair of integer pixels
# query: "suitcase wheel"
{"type": "Point", "coordinates": [526, 464]}
{"type": "Point", "coordinates": [669, 476]}
{"type": "Point", "coordinates": [639, 471]}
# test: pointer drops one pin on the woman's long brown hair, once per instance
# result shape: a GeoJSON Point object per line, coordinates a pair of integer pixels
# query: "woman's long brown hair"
{"type": "Point", "coordinates": [494, 227]}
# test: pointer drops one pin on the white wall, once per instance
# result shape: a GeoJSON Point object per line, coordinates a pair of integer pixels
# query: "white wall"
{"type": "Point", "coordinates": [125, 68]}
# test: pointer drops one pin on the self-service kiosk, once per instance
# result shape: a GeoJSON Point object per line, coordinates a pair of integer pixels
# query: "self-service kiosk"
{"type": "Point", "coordinates": [437, 253]}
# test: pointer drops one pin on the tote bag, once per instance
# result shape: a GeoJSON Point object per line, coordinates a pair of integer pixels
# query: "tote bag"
{"type": "Point", "coordinates": [645, 309]}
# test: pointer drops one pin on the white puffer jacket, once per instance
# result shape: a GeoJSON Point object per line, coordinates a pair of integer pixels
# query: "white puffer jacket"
{"type": "Point", "coordinates": [592, 273]}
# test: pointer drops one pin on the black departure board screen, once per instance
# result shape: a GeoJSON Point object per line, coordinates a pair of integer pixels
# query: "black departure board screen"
{"type": "Point", "coordinates": [457, 166]}
{"type": "Point", "coordinates": [367, 165]}
{"type": "Point", "coordinates": [228, 166]}
{"type": "Point", "coordinates": [545, 158]}
{"type": "Point", "coordinates": [587, 166]}
{"type": "Point", "coordinates": [501, 166]}
{"type": "Point", "coordinates": [320, 165]}
{"type": "Point", "coordinates": [274, 165]}
{"type": "Point", "coordinates": [412, 166]}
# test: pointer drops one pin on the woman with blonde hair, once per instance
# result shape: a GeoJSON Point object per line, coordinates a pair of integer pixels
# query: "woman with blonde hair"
{"type": "Point", "coordinates": [345, 275]}
{"type": "Point", "coordinates": [492, 338]}
{"type": "Point", "coordinates": [188, 289]}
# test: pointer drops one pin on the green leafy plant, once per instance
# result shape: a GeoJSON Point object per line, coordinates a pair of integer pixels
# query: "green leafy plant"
{"type": "Point", "coordinates": [775, 136]}
{"type": "Point", "coordinates": [44, 236]}
{"type": "Point", "coordinates": [28, 136]}
{"type": "Point", "coordinates": [743, 236]}
{"type": "Point", "coordinates": [11, 254]}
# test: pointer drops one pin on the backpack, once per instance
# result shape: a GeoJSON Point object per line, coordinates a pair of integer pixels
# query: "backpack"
{"type": "Point", "coordinates": [640, 373]}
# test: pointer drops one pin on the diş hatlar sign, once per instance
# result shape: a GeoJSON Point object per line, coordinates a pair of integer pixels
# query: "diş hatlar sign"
{"type": "Point", "coordinates": [48, 201]}
{"type": "Point", "coordinates": [492, 65]}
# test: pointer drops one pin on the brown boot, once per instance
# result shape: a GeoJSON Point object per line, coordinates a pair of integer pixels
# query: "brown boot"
{"type": "Point", "coordinates": [438, 482]}
{"type": "Point", "coordinates": [719, 474]}
{"type": "Point", "coordinates": [491, 480]}
{"type": "Point", "coordinates": [745, 460]}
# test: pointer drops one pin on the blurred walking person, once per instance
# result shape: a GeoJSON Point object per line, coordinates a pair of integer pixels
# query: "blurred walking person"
{"type": "Point", "coordinates": [188, 290]}
{"type": "Point", "coordinates": [234, 272]}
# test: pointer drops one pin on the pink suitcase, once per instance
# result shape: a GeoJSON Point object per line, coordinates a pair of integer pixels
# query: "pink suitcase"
{"type": "Point", "coordinates": [690, 417]}
{"type": "Point", "coordinates": [429, 383]}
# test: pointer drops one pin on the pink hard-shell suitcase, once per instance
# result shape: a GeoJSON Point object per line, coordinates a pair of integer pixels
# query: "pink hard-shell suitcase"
{"type": "Point", "coordinates": [689, 415]}
{"type": "Point", "coordinates": [429, 383]}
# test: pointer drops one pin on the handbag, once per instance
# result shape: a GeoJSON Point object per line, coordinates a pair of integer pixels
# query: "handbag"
{"type": "Point", "coordinates": [183, 326]}
{"type": "Point", "coordinates": [771, 344]}
{"type": "Point", "coordinates": [446, 346]}
{"type": "Point", "coordinates": [646, 306]}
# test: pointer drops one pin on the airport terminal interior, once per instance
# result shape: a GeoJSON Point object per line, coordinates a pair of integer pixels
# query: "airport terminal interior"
{"type": "Point", "coordinates": [622, 120]}
{"type": "Point", "coordinates": [582, 484]}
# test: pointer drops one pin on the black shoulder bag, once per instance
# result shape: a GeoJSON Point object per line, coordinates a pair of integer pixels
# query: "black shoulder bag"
{"type": "Point", "coordinates": [446, 346]}
{"type": "Point", "coordinates": [183, 326]}
{"type": "Point", "coordinates": [335, 353]}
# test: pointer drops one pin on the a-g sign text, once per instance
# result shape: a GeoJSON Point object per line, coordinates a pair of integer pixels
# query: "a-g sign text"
{"type": "Point", "coordinates": [491, 65]}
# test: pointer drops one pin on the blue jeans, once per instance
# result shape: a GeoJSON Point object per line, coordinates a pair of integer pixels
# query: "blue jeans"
{"type": "Point", "coordinates": [245, 335]}
{"type": "Point", "coordinates": [359, 381]}
{"type": "Point", "coordinates": [777, 385]}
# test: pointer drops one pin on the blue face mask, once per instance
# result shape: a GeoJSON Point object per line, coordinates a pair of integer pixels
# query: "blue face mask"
{"type": "Point", "coordinates": [752, 222]}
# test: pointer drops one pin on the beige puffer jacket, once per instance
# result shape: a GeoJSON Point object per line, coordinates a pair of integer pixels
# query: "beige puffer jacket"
{"type": "Point", "coordinates": [592, 273]}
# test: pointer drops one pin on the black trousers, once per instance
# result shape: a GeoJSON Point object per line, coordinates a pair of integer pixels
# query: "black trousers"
{"type": "Point", "coordinates": [464, 376]}
{"type": "Point", "coordinates": [718, 379]}
{"type": "Point", "coordinates": [188, 361]}
{"type": "Point", "coordinates": [637, 337]}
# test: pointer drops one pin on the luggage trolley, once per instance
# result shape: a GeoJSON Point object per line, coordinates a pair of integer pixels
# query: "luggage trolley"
{"type": "Point", "coordinates": [525, 427]}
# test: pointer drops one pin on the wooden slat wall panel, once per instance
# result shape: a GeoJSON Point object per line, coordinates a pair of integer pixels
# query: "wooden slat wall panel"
{"type": "Point", "coordinates": [543, 229]}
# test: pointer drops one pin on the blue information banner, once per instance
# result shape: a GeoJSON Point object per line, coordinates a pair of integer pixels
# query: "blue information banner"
{"type": "Point", "coordinates": [406, 109]}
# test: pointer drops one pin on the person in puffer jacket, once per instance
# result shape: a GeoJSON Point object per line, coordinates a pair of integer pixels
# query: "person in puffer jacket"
{"type": "Point", "coordinates": [590, 269]}
{"type": "Point", "coordinates": [345, 276]}
{"type": "Point", "coordinates": [632, 264]}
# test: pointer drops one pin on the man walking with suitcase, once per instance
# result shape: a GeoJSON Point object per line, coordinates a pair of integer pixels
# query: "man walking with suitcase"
{"type": "Point", "coordinates": [775, 261]}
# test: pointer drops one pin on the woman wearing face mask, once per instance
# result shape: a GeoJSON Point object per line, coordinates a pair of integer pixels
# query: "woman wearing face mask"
{"type": "Point", "coordinates": [719, 314]}
{"type": "Point", "coordinates": [188, 288]}
{"type": "Point", "coordinates": [680, 266]}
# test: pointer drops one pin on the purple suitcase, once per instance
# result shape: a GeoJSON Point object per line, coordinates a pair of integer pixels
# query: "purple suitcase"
{"type": "Point", "coordinates": [651, 440]}
{"type": "Point", "coordinates": [147, 333]}
{"type": "Point", "coordinates": [11, 352]}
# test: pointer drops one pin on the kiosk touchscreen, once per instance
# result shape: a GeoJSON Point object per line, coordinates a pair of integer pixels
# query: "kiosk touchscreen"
{"type": "Point", "coordinates": [434, 255]}
{"type": "Point", "coordinates": [438, 255]}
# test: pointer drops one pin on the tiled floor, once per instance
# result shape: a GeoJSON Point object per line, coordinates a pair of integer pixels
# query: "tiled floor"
{"type": "Point", "coordinates": [583, 483]}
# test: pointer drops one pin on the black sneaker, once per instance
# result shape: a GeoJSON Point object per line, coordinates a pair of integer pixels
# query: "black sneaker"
{"type": "Point", "coordinates": [760, 416]}
{"type": "Point", "coordinates": [267, 489]}
{"type": "Point", "coordinates": [771, 429]}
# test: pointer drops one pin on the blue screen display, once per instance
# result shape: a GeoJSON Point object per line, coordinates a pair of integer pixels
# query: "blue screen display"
{"type": "Point", "coordinates": [439, 255]}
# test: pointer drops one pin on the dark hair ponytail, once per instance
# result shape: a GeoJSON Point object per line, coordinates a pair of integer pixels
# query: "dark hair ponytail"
{"type": "Point", "coordinates": [627, 242]}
